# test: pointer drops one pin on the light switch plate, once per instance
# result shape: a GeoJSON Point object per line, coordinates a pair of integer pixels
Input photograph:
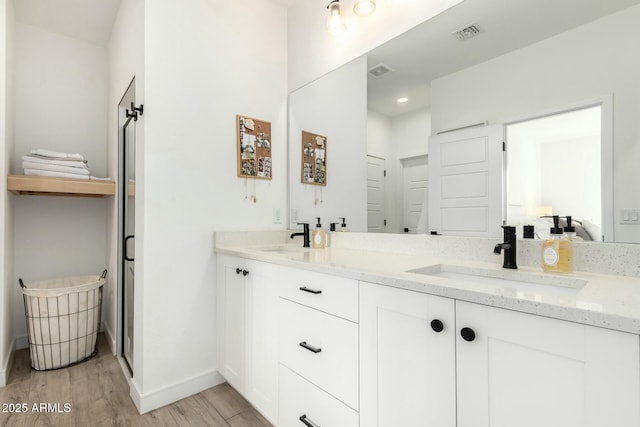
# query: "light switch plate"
{"type": "Point", "coordinates": [277, 216]}
{"type": "Point", "coordinates": [630, 216]}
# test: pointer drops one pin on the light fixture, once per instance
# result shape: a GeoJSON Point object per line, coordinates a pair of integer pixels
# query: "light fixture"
{"type": "Point", "coordinates": [335, 26]}
{"type": "Point", "coordinates": [364, 7]}
{"type": "Point", "coordinates": [402, 100]}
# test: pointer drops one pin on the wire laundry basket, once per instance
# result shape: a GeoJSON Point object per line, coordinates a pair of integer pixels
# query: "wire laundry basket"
{"type": "Point", "coordinates": [63, 319]}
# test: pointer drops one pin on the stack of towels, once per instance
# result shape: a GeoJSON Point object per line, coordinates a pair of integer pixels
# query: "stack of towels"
{"type": "Point", "coordinates": [43, 162]}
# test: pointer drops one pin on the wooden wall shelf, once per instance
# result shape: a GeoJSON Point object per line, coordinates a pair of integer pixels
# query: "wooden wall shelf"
{"type": "Point", "coordinates": [47, 186]}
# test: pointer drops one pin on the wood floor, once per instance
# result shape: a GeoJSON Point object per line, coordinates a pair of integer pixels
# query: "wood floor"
{"type": "Point", "coordinates": [98, 394]}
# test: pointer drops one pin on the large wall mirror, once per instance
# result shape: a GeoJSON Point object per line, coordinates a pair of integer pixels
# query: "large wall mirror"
{"type": "Point", "coordinates": [559, 78]}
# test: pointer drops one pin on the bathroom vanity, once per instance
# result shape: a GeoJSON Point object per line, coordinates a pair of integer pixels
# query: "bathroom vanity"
{"type": "Point", "coordinates": [352, 337]}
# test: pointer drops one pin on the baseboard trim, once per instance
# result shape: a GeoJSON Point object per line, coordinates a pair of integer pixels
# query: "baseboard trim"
{"type": "Point", "coordinates": [110, 337]}
{"type": "Point", "coordinates": [21, 342]}
{"type": "Point", "coordinates": [6, 369]}
{"type": "Point", "coordinates": [167, 395]}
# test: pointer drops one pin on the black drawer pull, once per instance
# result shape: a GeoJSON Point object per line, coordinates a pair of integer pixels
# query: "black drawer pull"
{"type": "Point", "coordinates": [238, 270]}
{"type": "Point", "coordinates": [310, 347]}
{"type": "Point", "coordinates": [245, 272]}
{"type": "Point", "coordinates": [311, 291]}
{"type": "Point", "coordinates": [437, 325]}
{"type": "Point", "coordinates": [306, 421]}
{"type": "Point", "coordinates": [467, 334]}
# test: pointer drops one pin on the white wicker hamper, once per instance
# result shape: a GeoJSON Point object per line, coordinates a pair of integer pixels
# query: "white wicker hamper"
{"type": "Point", "coordinates": [63, 319]}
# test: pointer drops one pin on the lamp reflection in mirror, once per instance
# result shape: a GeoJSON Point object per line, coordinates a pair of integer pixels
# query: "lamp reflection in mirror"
{"type": "Point", "coordinates": [364, 7]}
{"type": "Point", "coordinates": [335, 26]}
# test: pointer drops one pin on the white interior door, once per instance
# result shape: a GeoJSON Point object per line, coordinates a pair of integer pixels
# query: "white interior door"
{"type": "Point", "coordinates": [415, 177]}
{"type": "Point", "coordinates": [465, 172]}
{"type": "Point", "coordinates": [375, 194]}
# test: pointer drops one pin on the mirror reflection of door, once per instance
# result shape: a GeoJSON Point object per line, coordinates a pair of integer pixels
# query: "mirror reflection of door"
{"type": "Point", "coordinates": [126, 206]}
{"type": "Point", "coordinates": [554, 168]}
{"type": "Point", "coordinates": [415, 195]}
{"type": "Point", "coordinates": [465, 176]}
{"type": "Point", "coordinates": [376, 221]}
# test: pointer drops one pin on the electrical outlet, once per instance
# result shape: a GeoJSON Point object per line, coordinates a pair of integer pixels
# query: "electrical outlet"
{"type": "Point", "coordinates": [630, 216]}
{"type": "Point", "coordinates": [277, 216]}
{"type": "Point", "coordinates": [294, 216]}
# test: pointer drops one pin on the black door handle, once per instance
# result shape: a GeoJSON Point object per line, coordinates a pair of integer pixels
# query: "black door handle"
{"type": "Point", "coordinates": [238, 270]}
{"type": "Point", "coordinates": [245, 272]}
{"type": "Point", "coordinates": [126, 252]}
{"type": "Point", "coordinates": [437, 325]}
{"type": "Point", "coordinates": [467, 334]}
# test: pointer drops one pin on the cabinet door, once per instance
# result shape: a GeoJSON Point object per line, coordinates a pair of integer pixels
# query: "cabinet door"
{"type": "Point", "coordinates": [231, 320]}
{"type": "Point", "coordinates": [262, 338]}
{"type": "Point", "coordinates": [407, 369]}
{"type": "Point", "coordinates": [531, 371]}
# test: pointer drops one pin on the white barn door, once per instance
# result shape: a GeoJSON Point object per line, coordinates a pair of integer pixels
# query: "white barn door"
{"type": "Point", "coordinates": [466, 183]}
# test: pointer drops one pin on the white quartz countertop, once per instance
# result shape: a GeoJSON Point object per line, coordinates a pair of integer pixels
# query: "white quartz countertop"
{"type": "Point", "coordinates": [607, 301]}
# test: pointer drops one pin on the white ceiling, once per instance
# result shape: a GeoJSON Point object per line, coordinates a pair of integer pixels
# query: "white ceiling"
{"type": "Point", "coordinates": [88, 20]}
{"type": "Point", "coordinates": [430, 51]}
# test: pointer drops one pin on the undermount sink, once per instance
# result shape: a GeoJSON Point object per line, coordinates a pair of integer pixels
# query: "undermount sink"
{"type": "Point", "coordinates": [284, 249]}
{"type": "Point", "coordinates": [506, 279]}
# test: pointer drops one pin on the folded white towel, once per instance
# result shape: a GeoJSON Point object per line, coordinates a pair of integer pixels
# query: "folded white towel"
{"type": "Point", "coordinates": [57, 154]}
{"type": "Point", "coordinates": [55, 168]}
{"type": "Point", "coordinates": [38, 172]}
{"type": "Point", "coordinates": [69, 163]}
{"type": "Point", "coordinates": [95, 178]}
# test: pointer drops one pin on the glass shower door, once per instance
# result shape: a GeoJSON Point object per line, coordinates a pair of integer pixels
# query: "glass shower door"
{"type": "Point", "coordinates": [127, 118]}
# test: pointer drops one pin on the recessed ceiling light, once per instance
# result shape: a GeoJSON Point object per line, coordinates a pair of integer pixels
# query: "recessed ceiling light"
{"type": "Point", "coordinates": [402, 100]}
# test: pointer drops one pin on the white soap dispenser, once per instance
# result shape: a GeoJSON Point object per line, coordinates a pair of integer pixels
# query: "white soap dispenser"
{"type": "Point", "coordinates": [318, 237]}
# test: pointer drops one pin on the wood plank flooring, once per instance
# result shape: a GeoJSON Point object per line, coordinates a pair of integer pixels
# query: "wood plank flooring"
{"type": "Point", "coordinates": [98, 394]}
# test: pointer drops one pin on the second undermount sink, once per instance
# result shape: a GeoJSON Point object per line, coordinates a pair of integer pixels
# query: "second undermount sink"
{"type": "Point", "coordinates": [506, 279]}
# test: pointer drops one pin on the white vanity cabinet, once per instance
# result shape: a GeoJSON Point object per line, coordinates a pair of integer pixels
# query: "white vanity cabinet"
{"type": "Point", "coordinates": [498, 367]}
{"type": "Point", "coordinates": [247, 302]}
{"type": "Point", "coordinates": [318, 333]}
{"type": "Point", "coordinates": [531, 371]}
{"type": "Point", "coordinates": [407, 358]}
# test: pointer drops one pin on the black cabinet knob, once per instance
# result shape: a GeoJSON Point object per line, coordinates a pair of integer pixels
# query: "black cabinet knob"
{"type": "Point", "coordinates": [238, 270]}
{"type": "Point", "coordinates": [245, 272]}
{"type": "Point", "coordinates": [437, 325]}
{"type": "Point", "coordinates": [467, 334]}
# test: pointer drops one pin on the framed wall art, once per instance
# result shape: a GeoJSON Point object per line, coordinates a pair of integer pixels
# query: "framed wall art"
{"type": "Point", "coordinates": [254, 148]}
{"type": "Point", "coordinates": [314, 159]}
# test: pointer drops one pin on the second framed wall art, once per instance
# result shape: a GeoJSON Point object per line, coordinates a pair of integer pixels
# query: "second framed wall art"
{"type": "Point", "coordinates": [314, 159]}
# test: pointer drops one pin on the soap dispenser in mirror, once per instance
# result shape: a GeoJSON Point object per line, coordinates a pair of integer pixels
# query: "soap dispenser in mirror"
{"type": "Point", "coordinates": [318, 237]}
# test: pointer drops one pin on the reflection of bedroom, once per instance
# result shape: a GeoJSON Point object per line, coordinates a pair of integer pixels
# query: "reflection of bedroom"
{"type": "Point", "coordinates": [553, 168]}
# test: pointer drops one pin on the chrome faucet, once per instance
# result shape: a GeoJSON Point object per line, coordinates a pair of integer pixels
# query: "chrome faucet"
{"type": "Point", "coordinates": [305, 234]}
{"type": "Point", "coordinates": [508, 246]}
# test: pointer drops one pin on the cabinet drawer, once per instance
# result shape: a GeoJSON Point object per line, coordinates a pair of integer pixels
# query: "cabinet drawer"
{"type": "Point", "coordinates": [331, 294]}
{"type": "Point", "coordinates": [299, 398]}
{"type": "Point", "coordinates": [321, 348]}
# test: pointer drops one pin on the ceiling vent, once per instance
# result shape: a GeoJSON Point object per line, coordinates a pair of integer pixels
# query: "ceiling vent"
{"type": "Point", "coordinates": [467, 32]}
{"type": "Point", "coordinates": [380, 70]}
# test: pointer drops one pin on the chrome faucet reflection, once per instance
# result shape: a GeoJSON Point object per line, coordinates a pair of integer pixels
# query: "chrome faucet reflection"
{"type": "Point", "coordinates": [305, 234]}
{"type": "Point", "coordinates": [508, 246]}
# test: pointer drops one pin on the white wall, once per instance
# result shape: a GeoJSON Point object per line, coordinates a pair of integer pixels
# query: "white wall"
{"type": "Point", "coordinates": [588, 62]}
{"type": "Point", "coordinates": [61, 90]}
{"type": "Point", "coordinates": [336, 107]}
{"type": "Point", "coordinates": [6, 199]}
{"type": "Point", "coordinates": [205, 61]}
{"type": "Point", "coordinates": [313, 52]}
{"type": "Point", "coordinates": [126, 60]}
